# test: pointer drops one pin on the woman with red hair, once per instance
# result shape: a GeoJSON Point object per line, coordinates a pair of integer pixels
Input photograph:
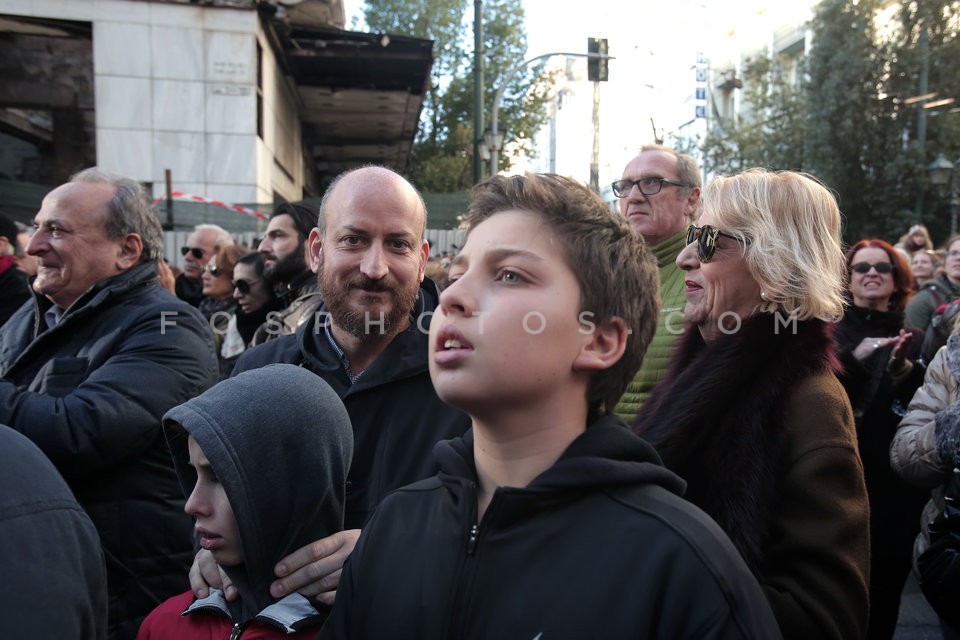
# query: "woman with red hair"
{"type": "Point", "coordinates": [880, 375]}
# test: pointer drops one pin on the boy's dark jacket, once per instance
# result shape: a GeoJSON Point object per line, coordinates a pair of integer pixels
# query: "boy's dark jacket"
{"type": "Point", "coordinates": [599, 545]}
{"type": "Point", "coordinates": [396, 414]}
{"type": "Point", "coordinates": [279, 441]}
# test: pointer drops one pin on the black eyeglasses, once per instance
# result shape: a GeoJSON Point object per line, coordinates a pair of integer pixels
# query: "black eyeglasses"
{"type": "Point", "coordinates": [197, 252]}
{"type": "Point", "coordinates": [213, 270]}
{"type": "Point", "coordinates": [706, 239]}
{"type": "Point", "coordinates": [880, 267]}
{"type": "Point", "coordinates": [649, 186]}
{"type": "Point", "coordinates": [243, 286]}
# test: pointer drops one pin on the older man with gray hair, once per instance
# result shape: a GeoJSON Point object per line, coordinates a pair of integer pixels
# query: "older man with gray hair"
{"type": "Point", "coordinates": [659, 196]}
{"type": "Point", "coordinates": [197, 252]}
{"type": "Point", "coordinates": [88, 369]}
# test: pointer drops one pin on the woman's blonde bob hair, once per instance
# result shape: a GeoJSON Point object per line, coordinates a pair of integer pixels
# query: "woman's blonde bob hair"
{"type": "Point", "coordinates": [789, 225]}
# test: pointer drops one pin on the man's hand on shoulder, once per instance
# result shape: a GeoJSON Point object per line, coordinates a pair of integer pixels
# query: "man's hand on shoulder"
{"type": "Point", "coordinates": [314, 570]}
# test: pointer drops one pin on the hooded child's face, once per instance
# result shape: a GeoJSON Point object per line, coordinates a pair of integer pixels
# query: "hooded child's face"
{"type": "Point", "coordinates": [215, 523]}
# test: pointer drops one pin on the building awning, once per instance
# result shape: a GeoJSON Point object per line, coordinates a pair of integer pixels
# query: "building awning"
{"type": "Point", "coordinates": [362, 94]}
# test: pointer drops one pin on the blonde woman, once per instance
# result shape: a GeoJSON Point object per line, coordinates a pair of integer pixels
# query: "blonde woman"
{"type": "Point", "coordinates": [917, 238]}
{"type": "Point", "coordinates": [923, 266]}
{"type": "Point", "coordinates": [218, 305]}
{"type": "Point", "coordinates": [751, 413]}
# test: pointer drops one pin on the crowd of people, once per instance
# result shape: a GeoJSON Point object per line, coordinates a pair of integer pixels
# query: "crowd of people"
{"type": "Point", "coordinates": [729, 426]}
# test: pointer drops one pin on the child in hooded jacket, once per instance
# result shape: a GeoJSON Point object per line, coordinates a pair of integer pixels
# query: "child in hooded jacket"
{"type": "Point", "coordinates": [263, 458]}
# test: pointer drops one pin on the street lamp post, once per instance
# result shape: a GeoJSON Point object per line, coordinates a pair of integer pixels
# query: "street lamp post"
{"type": "Point", "coordinates": [941, 172]}
{"type": "Point", "coordinates": [477, 88]}
{"type": "Point", "coordinates": [493, 140]}
{"type": "Point", "coordinates": [498, 96]}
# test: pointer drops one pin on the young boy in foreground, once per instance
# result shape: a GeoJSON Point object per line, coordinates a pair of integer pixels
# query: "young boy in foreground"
{"type": "Point", "coordinates": [263, 457]}
{"type": "Point", "coordinates": [550, 519]}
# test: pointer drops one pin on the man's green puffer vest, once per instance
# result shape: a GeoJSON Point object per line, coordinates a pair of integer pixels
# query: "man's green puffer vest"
{"type": "Point", "coordinates": [669, 328]}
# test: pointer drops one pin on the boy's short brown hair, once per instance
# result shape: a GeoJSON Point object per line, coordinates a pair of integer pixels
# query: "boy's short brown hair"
{"type": "Point", "coordinates": [616, 272]}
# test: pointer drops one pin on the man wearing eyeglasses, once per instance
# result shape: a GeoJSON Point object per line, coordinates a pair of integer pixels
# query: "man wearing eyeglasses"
{"type": "Point", "coordinates": [196, 254]}
{"type": "Point", "coordinates": [937, 291]}
{"type": "Point", "coordinates": [659, 194]}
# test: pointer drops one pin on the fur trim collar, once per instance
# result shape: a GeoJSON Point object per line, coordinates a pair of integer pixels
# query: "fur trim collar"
{"type": "Point", "coordinates": [718, 418]}
{"type": "Point", "coordinates": [953, 356]}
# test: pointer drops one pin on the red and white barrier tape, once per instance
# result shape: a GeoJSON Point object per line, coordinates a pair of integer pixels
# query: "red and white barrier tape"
{"type": "Point", "coordinates": [219, 203]}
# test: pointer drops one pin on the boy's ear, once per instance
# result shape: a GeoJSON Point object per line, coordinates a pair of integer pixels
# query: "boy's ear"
{"type": "Point", "coordinates": [605, 346]}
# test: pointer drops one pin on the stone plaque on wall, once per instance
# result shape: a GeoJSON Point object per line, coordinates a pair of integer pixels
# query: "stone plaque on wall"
{"type": "Point", "coordinates": [231, 57]}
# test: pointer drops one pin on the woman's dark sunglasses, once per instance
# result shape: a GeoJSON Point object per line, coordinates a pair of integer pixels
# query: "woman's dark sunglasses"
{"type": "Point", "coordinates": [706, 239]}
{"type": "Point", "coordinates": [213, 270]}
{"type": "Point", "coordinates": [243, 286]}
{"type": "Point", "coordinates": [197, 252]}
{"type": "Point", "coordinates": [880, 267]}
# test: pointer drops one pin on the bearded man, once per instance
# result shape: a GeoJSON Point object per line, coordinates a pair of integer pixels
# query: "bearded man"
{"type": "Point", "coordinates": [368, 341]}
{"type": "Point", "coordinates": [285, 256]}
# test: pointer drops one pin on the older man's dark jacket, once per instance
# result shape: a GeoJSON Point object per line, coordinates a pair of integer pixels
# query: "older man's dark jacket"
{"type": "Point", "coordinates": [397, 416]}
{"type": "Point", "coordinates": [91, 392]}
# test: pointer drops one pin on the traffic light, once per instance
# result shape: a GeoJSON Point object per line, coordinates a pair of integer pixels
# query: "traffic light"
{"type": "Point", "coordinates": [597, 67]}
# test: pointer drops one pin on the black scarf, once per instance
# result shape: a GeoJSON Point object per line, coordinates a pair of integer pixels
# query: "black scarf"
{"type": "Point", "coordinates": [209, 306]}
{"type": "Point", "coordinates": [718, 418]}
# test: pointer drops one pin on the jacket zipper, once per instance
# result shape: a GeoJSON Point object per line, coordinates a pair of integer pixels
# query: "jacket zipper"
{"type": "Point", "coordinates": [470, 565]}
{"type": "Point", "coordinates": [472, 541]}
{"type": "Point", "coordinates": [239, 627]}
{"type": "Point", "coordinates": [456, 602]}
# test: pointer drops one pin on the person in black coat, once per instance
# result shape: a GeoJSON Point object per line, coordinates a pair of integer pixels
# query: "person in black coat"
{"type": "Point", "coordinates": [549, 519]}
{"type": "Point", "coordinates": [254, 294]}
{"type": "Point", "coordinates": [89, 368]}
{"type": "Point", "coordinates": [880, 374]}
{"type": "Point", "coordinates": [56, 584]}
{"type": "Point", "coordinates": [368, 341]}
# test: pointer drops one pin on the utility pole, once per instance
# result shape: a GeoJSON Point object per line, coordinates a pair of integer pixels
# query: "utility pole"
{"type": "Point", "coordinates": [922, 112]}
{"type": "Point", "coordinates": [595, 152]}
{"type": "Point", "coordinates": [168, 179]}
{"type": "Point", "coordinates": [597, 72]}
{"type": "Point", "coordinates": [507, 77]}
{"type": "Point", "coordinates": [477, 89]}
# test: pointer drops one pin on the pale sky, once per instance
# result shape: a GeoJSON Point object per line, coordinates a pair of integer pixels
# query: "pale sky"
{"type": "Point", "coordinates": [655, 43]}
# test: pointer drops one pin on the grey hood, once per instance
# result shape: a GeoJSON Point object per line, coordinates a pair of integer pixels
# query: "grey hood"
{"type": "Point", "coordinates": [280, 442]}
